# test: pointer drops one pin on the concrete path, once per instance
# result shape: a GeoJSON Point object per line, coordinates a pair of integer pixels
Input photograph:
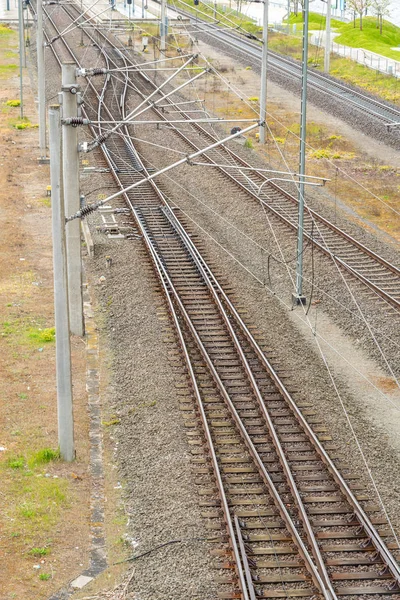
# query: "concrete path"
{"type": "Point", "coordinates": [8, 10]}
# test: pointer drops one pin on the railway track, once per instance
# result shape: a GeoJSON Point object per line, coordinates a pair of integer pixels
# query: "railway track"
{"type": "Point", "coordinates": [283, 521]}
{"type": "Point", "coordinates": [384, 113]}
{"type": "Point", "coordinates": [348, 253]}
{"type": "Point", "coordinates": [377, 274]}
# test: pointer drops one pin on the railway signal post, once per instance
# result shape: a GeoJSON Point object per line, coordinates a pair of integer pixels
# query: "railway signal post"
{"type": "Point", "coordinates": [63, 349]}
{"type": "Point", "coordinates": [70, 159]}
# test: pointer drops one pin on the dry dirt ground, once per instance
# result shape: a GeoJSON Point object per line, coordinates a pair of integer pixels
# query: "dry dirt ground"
{"type": "Point", "coordinates": [46, 518]}
{"type": "Point", "coordinates": [44, 503]}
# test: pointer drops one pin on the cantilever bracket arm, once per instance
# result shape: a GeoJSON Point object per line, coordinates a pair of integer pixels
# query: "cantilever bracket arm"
{"type": "Point", "coordinates": [86, 210]}
{"type": "Point", "coordinates": [291, 181]}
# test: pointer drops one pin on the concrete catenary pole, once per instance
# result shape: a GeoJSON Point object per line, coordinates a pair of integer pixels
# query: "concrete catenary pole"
{"type": "Point", "coordinates": [63, 349]}
{"type": "Point", "coordinates": [71, 197]}
{"type": "Point", "coordinates": [264, 68]}
{"type": "Point", "coordinates": [21, 57]}
{"type": "Point", "coordinates": [41, 79]}
{"type": "Point", "coordinates": [162, 26]}
{"type": "Point", "coordinates": [298, 296]}
{"type": "Point", "coordinates": [327, 57]}
{"type": "Point", "coordinates": [21, 33]}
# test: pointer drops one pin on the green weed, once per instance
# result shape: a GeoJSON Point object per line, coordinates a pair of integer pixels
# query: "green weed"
{"type": "Point", "coordinates": [44, 456]}
{"type": "Point", "coordinates": [39, 551]}
{"type": "Point", "coordinates": [27, 510]}
{"type": "Point", "coordinates": [5, 30]}
{"type": "Point", "coordinates": [111, 422]}
{"type": "Point", "coordinates": [42, 336]}
{"type": "Point", "coordinates": [248, 143]}
{"type": "Point", "coordinates": [8, 69]}
{"type": "Point", "coordinates": [225, 17]}
{"type": "Point", "coordinates": [13, 103]}
{"type": "Point", "coordinates": [44, 576]}
{"type": "Point", "coordinates": [16, 462]}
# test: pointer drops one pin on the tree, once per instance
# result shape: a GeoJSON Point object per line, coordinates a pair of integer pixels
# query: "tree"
{"type": "Point", "coordinates": [359, 7]}
{"type": "Point", "coordinates": [381, 9]}
{"type": "Point", "coordinates": [296, 4]}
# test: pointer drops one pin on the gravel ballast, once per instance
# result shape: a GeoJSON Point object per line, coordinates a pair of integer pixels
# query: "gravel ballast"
{"type": "Point", "coordinates": [150, 440]}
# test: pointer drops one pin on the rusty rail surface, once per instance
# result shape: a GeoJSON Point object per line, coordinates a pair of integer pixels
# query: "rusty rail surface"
{"type": "Point", "coordinates": [272, 494]}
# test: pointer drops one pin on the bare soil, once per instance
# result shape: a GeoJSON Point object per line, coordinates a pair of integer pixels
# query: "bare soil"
{"type": "Point", "coordinates": [44, 505]}
{"type": "Point", "coordinates": [140, 374]}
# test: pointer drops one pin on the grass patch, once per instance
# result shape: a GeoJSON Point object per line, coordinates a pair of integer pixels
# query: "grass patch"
{"type": "Point", "coordinates": [13, 103]}
{"type": "Point", "coordinates": [7, 69]}
{"type": "Point", "coordinates": [111, 422]}
{"type": "Point", "coordinates": [369, 37]}
{"type": "Point", "coordinates": [227, 17]}
{"type": "Point", "coordinates": [38, 502]}
{"type": "Point", "coordinates": [46, 201]}
{"type": "Point", "coordinates": [17, 462]}
{"type": "Point", "coordinates": [315, 21]}
{"type": "Point", "coordinates": [39, 551]}
{"type": "Point", "coordinates": [41, 336]}
{"type": "Point", "coordinates": [22, 333]}
{"type": "Point", "coordinates": [44, 576]}
{"type": "Point", "coordinates": [5, 30]}
{"type": "Point", "coordinates": [344, 69]}
{"type": "Point", "coordinates": [44, 456]}
{"type": "Point", "coordinates": [24, 123]}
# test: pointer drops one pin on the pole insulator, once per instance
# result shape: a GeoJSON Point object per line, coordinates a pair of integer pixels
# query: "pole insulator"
{"type": "Point", "coordinates": [75, 121]}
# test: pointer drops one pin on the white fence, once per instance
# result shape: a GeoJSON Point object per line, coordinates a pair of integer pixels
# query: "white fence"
{"type": "Point", "coordinates": [364, 57]}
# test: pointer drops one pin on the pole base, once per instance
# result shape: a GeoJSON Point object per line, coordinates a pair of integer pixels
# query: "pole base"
{"type": "Point", "coordinates": [43, 160]}
{"type": "Point", "coordinates": [299, 300]}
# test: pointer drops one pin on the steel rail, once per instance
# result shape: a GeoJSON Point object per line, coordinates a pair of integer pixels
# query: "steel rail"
{"type": "Point", "coordinates": [166, 284]}
{"type": "Point", "coordinates": [319, 575]}
{"type": "Point", "coordinates": [270, 426]}
{"type": "Point", "coordinates": [316, 576]}
{"type": "Point", "coordinates": [364, 520]}
{"type": "Point", "coordinates": [368, 526]}
{"type": "Point", "coordinates": [313, 214]}
{"type": "Point", "coordinates": [281, 64]}
{"type": "Point", "coordinates": [372, 529]}
{"type": "Point", "coordinates": [243, 576]}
